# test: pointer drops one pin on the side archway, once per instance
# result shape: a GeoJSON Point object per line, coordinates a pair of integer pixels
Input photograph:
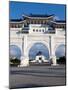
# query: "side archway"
{"type": "Point", "coordinates": [14, 51]}
{"type": "Point", "coordinates": [60, 51]}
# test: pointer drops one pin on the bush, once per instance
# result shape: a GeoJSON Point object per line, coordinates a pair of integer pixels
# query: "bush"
{"type": "Point", "coordinates": [61, 60]}
{"type": "Point", "coordinates": [14, 62]}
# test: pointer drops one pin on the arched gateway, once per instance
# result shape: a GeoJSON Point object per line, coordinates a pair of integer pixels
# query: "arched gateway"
{"type": "Point", "coordinates": [38, 49]}
{"type": "Point", "coordinates": [32, 30]}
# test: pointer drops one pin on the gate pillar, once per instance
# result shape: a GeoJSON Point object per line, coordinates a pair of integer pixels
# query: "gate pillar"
{"type": "Point", "coordinates": [25, 58]}
{"type": "Point", "coordinates": [52, 51]}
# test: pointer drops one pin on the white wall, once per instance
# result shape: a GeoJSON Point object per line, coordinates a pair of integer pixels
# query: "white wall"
{"type": "Point", "coordinates": [39, 29]}
{"type": "Point", "coordinates": [60, 31]}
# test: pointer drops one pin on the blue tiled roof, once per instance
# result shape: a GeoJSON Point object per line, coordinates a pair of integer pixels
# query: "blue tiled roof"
{"type": "Point", "coordinates": [39, 15]}
{"type": "Point", "coordinates": [16, 20]}
{"type": "Point", "coordinates": [60, 21]}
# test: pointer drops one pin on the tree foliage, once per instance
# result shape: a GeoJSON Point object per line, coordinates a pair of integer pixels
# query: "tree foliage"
{"type": "Point", "coordinates": [14, 62]}
{"type": "Point", "coordinates": [61, 60]}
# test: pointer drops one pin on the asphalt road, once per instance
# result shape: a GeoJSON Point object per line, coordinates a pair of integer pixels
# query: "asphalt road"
{"type": "Point", "coordinates": [37, 76]}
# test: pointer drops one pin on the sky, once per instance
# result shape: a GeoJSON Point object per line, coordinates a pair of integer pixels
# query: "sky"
{"type": "Point", "coordinates": [17, 9]}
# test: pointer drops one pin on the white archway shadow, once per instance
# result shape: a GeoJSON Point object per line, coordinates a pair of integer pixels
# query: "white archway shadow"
{"type": "Point", "coordinates": [60, 51]}
{"type": "Point", "coordinates": [36, 47]}
{"type": "Point", "coordinates": [14, 51]}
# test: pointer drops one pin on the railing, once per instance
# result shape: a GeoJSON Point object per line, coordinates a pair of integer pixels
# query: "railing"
{"type": "Point", "coordinates": [50, 32]}
{"type": "Point", "coordinates": [22, 31]}
{"type": "Point", "coordinates": [25, 28]}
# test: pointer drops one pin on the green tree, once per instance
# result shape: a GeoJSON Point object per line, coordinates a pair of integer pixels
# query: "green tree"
{"type": "Point", "coordinates": [14, 62]}
{"type": "Point", "coordinates": [61, 60]}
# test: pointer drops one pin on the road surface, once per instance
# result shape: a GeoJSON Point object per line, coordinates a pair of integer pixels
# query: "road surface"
{"type": "Point", "coordinates": [37, 76]}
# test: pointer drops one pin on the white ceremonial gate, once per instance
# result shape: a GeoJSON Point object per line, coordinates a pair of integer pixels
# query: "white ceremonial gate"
{"type": "Point", "coordinates": [36, 33]}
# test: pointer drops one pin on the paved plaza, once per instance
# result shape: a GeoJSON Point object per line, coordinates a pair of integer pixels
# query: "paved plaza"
{"type": "Point", "coordinates": [37, 76]}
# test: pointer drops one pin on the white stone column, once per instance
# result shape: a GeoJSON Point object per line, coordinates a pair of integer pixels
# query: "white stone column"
{"type": "Point", "coordinates": [25, 58]}
{"type": "Point", "coordinates": [54, 62]}
{"type": "Point", "coordinates": [21, 58]}
{"type": "Point", "coordinates": [52, 51]}
{"type": "Point", "coordinates": [20, 44]}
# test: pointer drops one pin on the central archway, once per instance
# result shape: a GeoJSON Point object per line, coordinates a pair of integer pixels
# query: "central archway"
{"type": "Point", "coordinates": [38, 47]}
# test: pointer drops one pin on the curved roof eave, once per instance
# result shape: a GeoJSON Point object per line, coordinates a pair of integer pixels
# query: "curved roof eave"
{"type": "Point", "coordinates": [51, 16]}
